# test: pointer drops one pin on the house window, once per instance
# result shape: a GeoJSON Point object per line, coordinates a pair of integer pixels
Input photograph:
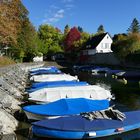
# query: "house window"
{"type": "Point", "coordinates": [102, 45]}
{"type": "Point", "coordinates": [106, 45]}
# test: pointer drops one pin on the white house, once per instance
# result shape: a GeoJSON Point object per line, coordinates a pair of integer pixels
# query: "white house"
{"type": "Point", "coordinates": [98, 44]}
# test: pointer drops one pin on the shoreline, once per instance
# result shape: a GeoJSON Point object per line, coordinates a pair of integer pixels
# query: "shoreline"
{"type": "Point", "coordinates": [13, 79]}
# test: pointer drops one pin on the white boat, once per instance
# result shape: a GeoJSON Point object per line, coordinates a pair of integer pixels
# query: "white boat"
{"type": "Point", "coordinates": [53, 77]}
{"type": "Point", "coordinates": [47, 95]}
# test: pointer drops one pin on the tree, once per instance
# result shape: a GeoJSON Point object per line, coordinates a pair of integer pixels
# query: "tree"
{"type": "Point", "coordinates": [100, 29]}
{"type": "Point", "coordinates": [16, 31]}
{"type": "Point", "coordinates": [27, 41]}
{"type": "Point", "coordinates": [81, 42]}
{"type": "Point", "coordinates": [73, 35]}
{"type": "Point", "coordinates": [51, 39]}
{"type": "Point", "coordinates": [134, 27]}
{"type": "Point", "coordinates": [66, 29]}
{"type": "Point", "coordinates": [80, 29]}
{"type": "Point", "coordinates": [128, 45]}
{"type": "Point", "coordinates": [118, 37]}
{"type": "Point", "coordinates": [11, 14]}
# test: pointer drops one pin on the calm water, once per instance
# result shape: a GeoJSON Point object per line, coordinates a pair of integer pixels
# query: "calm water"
{"type": "Point", "coordinates": [127, 98]}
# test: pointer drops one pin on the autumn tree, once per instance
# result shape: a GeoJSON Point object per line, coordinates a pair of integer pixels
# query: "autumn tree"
{"type": "Point", "coordinates": [10, 21]}
{"type": "Point", "coordinates": [134, 27]}
{"type": "Point", "coordinates": [16, 31]}
{"type": "Point", "coordinates": [72, 36]}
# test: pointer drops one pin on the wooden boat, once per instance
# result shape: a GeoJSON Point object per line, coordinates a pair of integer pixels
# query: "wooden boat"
{"type": "Point", "coordinates": [53, 77]}
{"type": "Point", "coordinates": [77, 127]}
{"type": "Point", "coordinates": [37, 86]}
{"type": "Point", "coordinates": [47, 95]}
{"type": "Point", "coordinates": [64, 107]}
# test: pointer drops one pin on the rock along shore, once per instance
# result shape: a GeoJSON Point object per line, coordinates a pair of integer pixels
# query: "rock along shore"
{"type": "Point", "coordinates": [13, 81]}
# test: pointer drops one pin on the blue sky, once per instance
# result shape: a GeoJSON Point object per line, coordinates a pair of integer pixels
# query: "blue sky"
{"type": "Point", "coordinates": [115, 15]}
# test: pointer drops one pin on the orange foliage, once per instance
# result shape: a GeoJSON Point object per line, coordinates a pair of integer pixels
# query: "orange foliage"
{"type": "Point", "coordinates": [10, 21]}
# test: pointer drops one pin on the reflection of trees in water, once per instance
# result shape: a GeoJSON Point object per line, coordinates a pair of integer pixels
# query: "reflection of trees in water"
{"type": "Point", "coordinates": [126, 95]}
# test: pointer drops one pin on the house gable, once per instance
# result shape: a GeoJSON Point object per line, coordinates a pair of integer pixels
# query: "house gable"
{"type": "Point", "coordinates": [105, 45]}
{"type": "Point", "coordinates": [98, 44]}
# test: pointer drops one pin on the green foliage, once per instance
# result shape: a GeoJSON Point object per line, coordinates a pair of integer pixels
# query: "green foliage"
{"type": "Point", "coordinates": [51, 39]}
{"type": "Point", "coordinates": [55, 49]}
{"type": "Point", "coordinates": [27, 39]}
{"type": "Point", "coordinates": [118, 37]}
{"type": "Point", "coordinates": [134, 27]}
{"type": "Point", "coordinates": [127, 45]}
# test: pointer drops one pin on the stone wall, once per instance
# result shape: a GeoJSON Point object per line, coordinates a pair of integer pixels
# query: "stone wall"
{"type": "Point", "coordinates": [103, 58]}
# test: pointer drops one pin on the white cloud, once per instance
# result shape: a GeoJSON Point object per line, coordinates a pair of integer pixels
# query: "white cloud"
{"type": "Point", "coordinates": [59, 14]}
{"type": "Point", "coordinates": [61, 11]}
{"type": "Point", "coordinates": [54, 13]}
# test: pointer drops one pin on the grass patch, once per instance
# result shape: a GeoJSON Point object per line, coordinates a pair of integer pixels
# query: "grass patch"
{"type": "Point", "coordinates": [4, 61]}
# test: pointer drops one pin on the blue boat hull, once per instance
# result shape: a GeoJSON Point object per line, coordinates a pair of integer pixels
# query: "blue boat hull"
{"type": "Point", "coordinates": [90, 129]}
{"type": "Point", "coordinates": [41, 132]}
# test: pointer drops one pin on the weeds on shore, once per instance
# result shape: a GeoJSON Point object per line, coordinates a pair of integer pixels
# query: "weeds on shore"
{"type": "Point", "coordinates": [4, 61]}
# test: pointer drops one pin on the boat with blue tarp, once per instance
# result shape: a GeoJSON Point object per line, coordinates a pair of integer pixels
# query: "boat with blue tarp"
{"type": "Point", "coordinates": [64, 107]}
{"type": "Point", "coordinates": [45, 70]}
{"type": "Point", "coordinates": [78, 127]}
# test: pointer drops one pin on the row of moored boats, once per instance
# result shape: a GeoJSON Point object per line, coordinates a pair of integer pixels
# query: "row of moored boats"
{"type": "Point", "coordinates": [129, 75]}
{"type": "Point", "coordinates": [67, 108]}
